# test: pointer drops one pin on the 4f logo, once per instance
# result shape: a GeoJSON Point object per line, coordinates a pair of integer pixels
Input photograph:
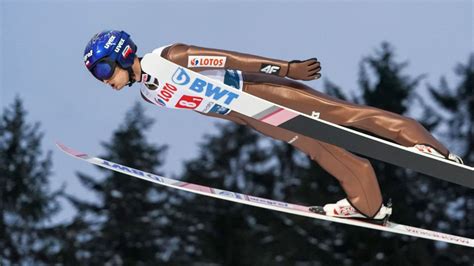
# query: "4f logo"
{"type": "Point", "coordinates": [270, 69]}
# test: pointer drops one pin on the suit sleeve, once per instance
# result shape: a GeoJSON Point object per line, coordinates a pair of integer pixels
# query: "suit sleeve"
{"type": "Point", "coordinates": [182, 53]}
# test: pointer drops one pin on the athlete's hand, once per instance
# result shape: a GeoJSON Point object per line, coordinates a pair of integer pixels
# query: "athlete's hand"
{"type": "Point", "coordinates": [304, 70]}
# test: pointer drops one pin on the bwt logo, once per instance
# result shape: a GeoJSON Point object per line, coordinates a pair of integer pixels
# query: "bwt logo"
{"type": "Point", "coordinates": [181, 77]}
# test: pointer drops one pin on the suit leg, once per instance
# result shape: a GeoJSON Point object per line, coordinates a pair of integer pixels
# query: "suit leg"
{"type": "Point", "coordinates": [355, 174]}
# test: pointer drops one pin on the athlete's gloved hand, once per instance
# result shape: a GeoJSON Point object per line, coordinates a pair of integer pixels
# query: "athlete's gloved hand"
{"type": "Point", "coordinates": [304, 70]}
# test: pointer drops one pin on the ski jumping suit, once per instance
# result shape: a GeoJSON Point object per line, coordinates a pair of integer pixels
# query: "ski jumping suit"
{"type": "Point", "coordinates": [355, 174]}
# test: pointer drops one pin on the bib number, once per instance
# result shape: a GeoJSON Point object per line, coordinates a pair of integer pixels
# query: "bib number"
{"type": "Point", "coordinates": [188, 102]}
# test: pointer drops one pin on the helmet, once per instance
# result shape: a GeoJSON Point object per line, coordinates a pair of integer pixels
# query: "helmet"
{"type": "Point", "coordinates": [108, 49]}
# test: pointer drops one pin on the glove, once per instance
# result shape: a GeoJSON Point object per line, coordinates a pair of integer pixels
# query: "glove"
{"type": "Point", "coordinates": [304, 70]}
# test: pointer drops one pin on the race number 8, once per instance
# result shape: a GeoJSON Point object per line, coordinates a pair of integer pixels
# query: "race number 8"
{"type": "Point", "coordinates": [188, 102]}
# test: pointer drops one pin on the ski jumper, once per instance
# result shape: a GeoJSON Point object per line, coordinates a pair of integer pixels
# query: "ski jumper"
{"type": "Point", "coordinates": [265, 78]}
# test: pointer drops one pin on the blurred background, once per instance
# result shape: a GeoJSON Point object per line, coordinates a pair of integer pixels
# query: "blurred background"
{"type": "Point", "coordinates": [410, 57]}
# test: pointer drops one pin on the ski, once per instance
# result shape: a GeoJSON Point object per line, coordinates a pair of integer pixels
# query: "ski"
{"type": "Point", "coordinates": [265, 203]}
{"type": "Point", "coordinates": [196, 91]}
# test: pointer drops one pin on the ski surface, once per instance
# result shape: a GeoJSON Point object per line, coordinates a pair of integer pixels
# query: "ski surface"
{"type": "Point", "coordinates": [196, 86]}
{"type": "Point", "coordinates": [265, 203]}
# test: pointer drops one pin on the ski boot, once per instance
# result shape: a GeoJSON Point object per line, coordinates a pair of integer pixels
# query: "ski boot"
{"type": "Point", "coordinates": [429, 150]}
{"type": "Point", "coordinates": [343, 209]}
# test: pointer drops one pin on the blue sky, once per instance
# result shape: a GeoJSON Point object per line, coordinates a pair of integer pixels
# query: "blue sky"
{"type": "Point", "coordinates": [42, 44]}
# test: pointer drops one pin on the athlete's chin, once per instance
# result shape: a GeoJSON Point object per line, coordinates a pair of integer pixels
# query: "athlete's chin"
{"type": "Point", "coordinates": [119, 87]}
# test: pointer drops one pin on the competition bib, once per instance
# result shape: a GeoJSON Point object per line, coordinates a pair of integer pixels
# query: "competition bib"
{"type": "Point", "coordinates": [168, 95]}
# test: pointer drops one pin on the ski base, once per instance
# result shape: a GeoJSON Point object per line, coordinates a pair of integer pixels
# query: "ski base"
{"type": "Point", "coordinates": [266, 203]}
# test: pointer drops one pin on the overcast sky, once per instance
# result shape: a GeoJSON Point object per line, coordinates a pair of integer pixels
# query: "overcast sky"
{"type": "Point", "coordinates": [42, 44]}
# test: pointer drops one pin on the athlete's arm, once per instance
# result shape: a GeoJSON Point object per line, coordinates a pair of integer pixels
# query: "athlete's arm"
{"type": "Point", "coordinates": [199, 58]}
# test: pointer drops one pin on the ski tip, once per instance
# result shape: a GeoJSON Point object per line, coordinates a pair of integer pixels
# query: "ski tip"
{"type": "Point", "coordinates": [70, 151]}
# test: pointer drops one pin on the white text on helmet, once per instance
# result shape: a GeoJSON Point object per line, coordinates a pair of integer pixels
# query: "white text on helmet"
{"type": "Point", "coordinates": [86, 56]}
{"type": "Point", "coordinates": [109, 42]}
{"type": "Point", "coordinates": [119, 45]}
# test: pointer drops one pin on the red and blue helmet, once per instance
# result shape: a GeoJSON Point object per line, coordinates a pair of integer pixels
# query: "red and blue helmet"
{"type": "Point", "coordinates": [109, 49]}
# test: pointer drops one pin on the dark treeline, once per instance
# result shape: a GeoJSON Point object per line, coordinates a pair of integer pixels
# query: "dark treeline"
{"type": "Point", "coordinates": [133, 222]}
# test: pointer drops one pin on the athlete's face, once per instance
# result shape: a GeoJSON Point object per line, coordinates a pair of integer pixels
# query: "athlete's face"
{"type": "Point", "coordinates": [119, 79]}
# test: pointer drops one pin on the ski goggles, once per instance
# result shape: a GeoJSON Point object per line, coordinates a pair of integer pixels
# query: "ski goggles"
{"type": "Point", "coordinates": [104, 69]}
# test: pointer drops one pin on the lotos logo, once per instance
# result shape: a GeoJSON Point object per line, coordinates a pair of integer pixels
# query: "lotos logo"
{"type": "Point", "coordinates": [181, 77]}
{"type": "Point", "coordinates": [165, 94]}
{"type": "Point", "coordinates": [109, 42]}
{"type": "Point", "coordinates": [206, 61]}
{"type": "Point", "coordinates": [119, 45]}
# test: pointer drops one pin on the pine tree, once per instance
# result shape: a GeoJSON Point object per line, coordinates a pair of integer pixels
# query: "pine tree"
{"type": "Point", "coordinates": [418, 199]}
{"type": "Point", "coordinates": [26, 203]}
{"type": "Point", "coordinates": [229, 161]}
{"type": "Point", "coordinates": [300, 180]}
{"type": "Point", "coordinates": [241, 160]}
{"type": "Point", "coordinates": [132, 221]}
{"type": "Point", "coordinates": [393, 91]}
{"type": "Point", "coordinates": [457, 128]}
